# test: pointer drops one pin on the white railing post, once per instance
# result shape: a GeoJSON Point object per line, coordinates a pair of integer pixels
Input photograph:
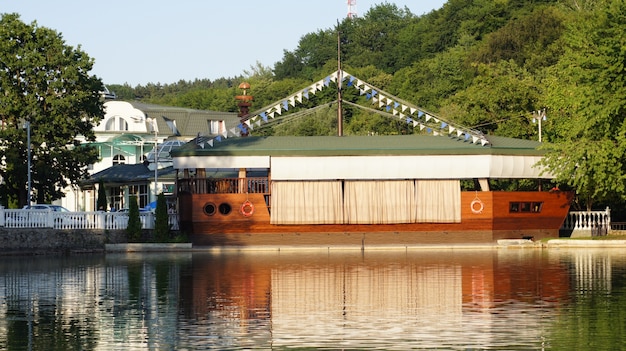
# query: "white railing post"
{"type": "Point", "coordinates": [583, 223]}
{"type": "Point", "coordinates": [1, 216]}
{"type": "Point", "coordinates": [49, 219]}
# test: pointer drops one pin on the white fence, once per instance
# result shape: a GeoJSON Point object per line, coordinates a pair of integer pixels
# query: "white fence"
{"type": "Point", "coordinates": [76, 220]}
{"type": "Point", "coordinates": [591, 223]}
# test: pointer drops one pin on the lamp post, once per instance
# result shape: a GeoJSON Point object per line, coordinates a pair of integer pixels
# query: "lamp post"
{"type": "Point", "coordinates": [539, 116]}
{"type": "Point", "coordinates": [155, 129]}
{"type": "Point", "coordinates": [27, 126]}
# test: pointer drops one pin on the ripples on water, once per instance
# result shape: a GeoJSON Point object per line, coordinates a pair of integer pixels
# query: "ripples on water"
{"type": "Point", "coordinates": [340, 300]}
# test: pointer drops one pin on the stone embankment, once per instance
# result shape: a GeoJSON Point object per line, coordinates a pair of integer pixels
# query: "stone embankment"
{"type": "Point", "coordinates": [46, 240]}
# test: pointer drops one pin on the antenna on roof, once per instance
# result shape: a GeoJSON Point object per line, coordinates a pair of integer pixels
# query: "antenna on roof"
{"type": "Point", "coordinates": [352, 9]}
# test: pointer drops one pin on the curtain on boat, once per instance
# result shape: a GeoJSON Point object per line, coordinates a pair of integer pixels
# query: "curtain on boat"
{"type": "Point", "coordinates": [438, 201]}
{"type": "Point", "coordinates": [379, 201]}
{"type": "Point", "coordinates": [306, 202]}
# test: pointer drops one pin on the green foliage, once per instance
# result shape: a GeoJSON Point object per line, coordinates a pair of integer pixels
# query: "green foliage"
{"type": "Point", "coordinates": [484, 64]}
{"type": "Point", "coordinates": [585, 92]}
{"type": "Point", "coordinates": [162, 226]}
{"type": "Point", "coordinates": [47, 83]}
{"type": "Point", "coordinates": [133, 230]}
{"type": "Point", "coordinates": [101, 203]}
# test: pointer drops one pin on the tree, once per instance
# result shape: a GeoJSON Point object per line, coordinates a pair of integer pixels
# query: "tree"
{"type": "Point", "coordinates": [102, 196]}
{"type": "Point", "coordinates": [47, 83]}
{"type": "Point", "coordinates": [133, 229]}
{"type": "Point", "coordinates": [162, 223]}
{"type": "Point", "coordinates": [585, 99]}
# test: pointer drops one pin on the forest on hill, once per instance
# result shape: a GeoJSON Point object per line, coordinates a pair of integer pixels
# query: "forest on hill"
{"type": "Point", "coordinates": [488, 65]}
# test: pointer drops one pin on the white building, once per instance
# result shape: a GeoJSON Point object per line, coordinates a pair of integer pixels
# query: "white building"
{"type": "Point", "coordinates": [126, 139]}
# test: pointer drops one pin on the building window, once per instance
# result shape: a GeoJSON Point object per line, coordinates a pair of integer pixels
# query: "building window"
{"type": "Point", "coordinates": [116, 197]}
{"type": "Point", "coordinates": [216, 127]}
{"type": "Point", "coordinates": [119, 160]}
{"type": "Point", "coordinates": [141, 191]}
{"type": "Point", "coordinates": [116, 123]}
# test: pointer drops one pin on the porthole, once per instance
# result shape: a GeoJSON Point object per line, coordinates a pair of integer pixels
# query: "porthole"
{"type": "Point", "coordinates": [225, 208]}
{"type": "Point", "coordinates": [209, 209]}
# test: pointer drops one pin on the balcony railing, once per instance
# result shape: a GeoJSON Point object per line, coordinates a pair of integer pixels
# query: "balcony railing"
{"type": "Point", "coordinates": [76, 220]}
{"type": "Point", "coordinates": [224, 185]}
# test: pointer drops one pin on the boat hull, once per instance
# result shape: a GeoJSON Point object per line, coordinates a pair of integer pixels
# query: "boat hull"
{"type": "Point", "coordinates": [485, 218]}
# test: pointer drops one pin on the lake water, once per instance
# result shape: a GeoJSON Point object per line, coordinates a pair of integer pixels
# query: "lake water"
{"type": "Point", "coordinates": [502, 299]}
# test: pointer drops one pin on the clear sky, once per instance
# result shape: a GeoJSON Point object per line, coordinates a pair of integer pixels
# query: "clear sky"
{"type": "Point", "coordinates": [159, 41]}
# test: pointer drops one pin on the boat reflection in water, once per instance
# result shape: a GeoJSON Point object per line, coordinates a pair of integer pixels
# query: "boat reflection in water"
{"type": "Point", "coordinates": [422, 299]}
{"type": "Point", "coordinates": [415, 299]}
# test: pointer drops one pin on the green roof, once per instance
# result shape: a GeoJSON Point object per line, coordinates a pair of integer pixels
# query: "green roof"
{"type": "Point", "coordinates": [358, 146]}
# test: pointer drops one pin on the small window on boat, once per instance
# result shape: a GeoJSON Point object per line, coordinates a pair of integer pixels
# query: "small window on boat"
{"type": "Point", "coordinates": [225, 208]}
{"type": "Point", "coordinates": [209, 208]}
{"type": "Point", "coordinates": [526, 207]}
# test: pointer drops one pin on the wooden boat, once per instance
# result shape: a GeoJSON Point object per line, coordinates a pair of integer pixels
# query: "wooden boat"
{"type": "Point", "coordinates": [362, 191]}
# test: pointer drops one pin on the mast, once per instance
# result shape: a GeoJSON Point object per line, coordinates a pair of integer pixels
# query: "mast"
{"type": "Point", "coordinates": [339, 79]}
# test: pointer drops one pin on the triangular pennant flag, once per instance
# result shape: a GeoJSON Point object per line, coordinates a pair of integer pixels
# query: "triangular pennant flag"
{"type": "Point", "coordinates": [428, 117]}
{"type": "Point", "coordinates": [402, 115]}
{"type": "Point", "coordinates": [278, 110]}
{"type": "Point", "coordinates": [305, 93]}
{"type": "Point", "coordinates": [299, 98]}
{"type": "Point", "coordinates": [443, 124]}
{"type": "Point", "coordinates": [459, 133]}
{"type": "Point", "coordinates": [210, 142]}
{"type": "Point", "coordinates": [422, 126]}
{"type": "Point", "coordinates": [419, 113]}
{"type": "Point", "coordinates": [451, 129]}
{"type": "Point", "coordinates": [409, 120]}
{"type": "Point", "coordinates": [367, 87]}
{"type": "Point", "coordinates": [404, 107]}
{"type": "Point", "coordinates": [374, 100]}
{"type": "Point", "coordinates": [467, 136]}
{"type": "Point", "coordinates": [292, 101]}
{"type": "Point", "coordinates": [435, 133]}
{"type": "Point", "coordinates": [374, 92]}
{"type": "Point", "coordinates": [413, 111]}
{"type": "Point", "coordinates": [258, 123]}
{"type": "Point", "coordinates": [201, 145]}
{"type": "Point", "coordinates": [415, 123]}
{"type": "Point", "coordinates": [361, 92]}
{"type": "Point", "coordinates": [474, 139]}
{"type": "Point", "coordinates": [483, 142]}
{"type": "Point", "coordinates": [272, 114]}
{"type": "Point", "coordinates": [429, 130]}
{"type": "Point", "coordinates": [395, 104]}
{"type": "Point", "coordinates": [333, 77]}
{"type": "Point", "coordinates": [368, 96]}
{"type": "Point", "coordinates": [395, 112]}
{"type": "Point", "coordinates": [380, 103]}
{"type": "Point", "coordinates": [286, 105]}
{"type": "Point", "coordinates": [326, 81]}
{"type": "Point", "coordinates": [218, 138]}
{"type": "Point", "coordinates": [359, 82]}
{"type": "Point", "coordinates": [388, 108]}
{"type": "Point", "coordinates": [435, 119]}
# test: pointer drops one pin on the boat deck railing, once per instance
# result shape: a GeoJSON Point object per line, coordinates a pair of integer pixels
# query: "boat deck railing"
{"type": "Point", "coordinates": [253, 185]}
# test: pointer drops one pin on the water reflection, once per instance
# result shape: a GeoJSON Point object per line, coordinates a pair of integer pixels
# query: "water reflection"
{"type": "Point", "coordinates": [445, 299]}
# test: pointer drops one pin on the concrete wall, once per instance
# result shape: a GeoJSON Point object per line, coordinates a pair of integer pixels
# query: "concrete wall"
{"type": "Point", "coordinates": [40, 240]}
